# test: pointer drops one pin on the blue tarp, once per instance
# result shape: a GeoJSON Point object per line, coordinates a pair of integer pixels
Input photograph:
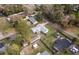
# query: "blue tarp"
{"type": "Point", "coordinates": [61, 44]}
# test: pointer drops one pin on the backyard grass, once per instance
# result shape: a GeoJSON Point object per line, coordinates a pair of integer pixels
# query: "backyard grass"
{"type": "Point", "coordinates": [40, 49]}
{"type": "Point", "coordinates": [65, 52]}
{"type": "Point", "coordinates": [50, 37]}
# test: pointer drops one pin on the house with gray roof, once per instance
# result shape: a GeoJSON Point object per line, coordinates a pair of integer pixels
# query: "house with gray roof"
{"type": "Point", "coordinates": [32, 20]}
{"type": "Point", "coordinates": [40, 28]}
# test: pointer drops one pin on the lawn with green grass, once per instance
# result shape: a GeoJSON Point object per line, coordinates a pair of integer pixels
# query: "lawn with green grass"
{"type": "Point", "coordinates": [50, 36]}
{"type": "Point", "coordinates": [40, 49]}
{"type": "Point", "coordinates": [65, 52]}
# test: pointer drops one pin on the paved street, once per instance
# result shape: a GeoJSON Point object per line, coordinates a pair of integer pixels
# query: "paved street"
{"type": "Point", "coordinates": [8, 35]}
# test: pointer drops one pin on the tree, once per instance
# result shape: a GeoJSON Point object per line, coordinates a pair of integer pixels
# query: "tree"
{"type": "Point", "coordinates": [19, 40]}
{"type": "Point", "coordinates": [14, 49]}
{"type": "Point", "coordinates": [39, 16]}
{"type": "Point", "coordinates": [53, 12]}
{"type": "Point", "coordinates": [47, 9]}
{"type": "Point", "coordinates": [68, 9]}
{"type": "Point", "coordinates": [4, 25]}
{"type": "Point", "coordinates": [23, 29]}
{"type": "Point", "coordinates": [29, 9]}
{"type": "Point", "coordinates": [11, 9]}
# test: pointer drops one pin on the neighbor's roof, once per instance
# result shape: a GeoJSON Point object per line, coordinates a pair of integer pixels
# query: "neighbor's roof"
{"type": "Point", "coordinates": [45, 53]}
{"type": "Point", "coordinates": [61, 44]}
{"type": "Point", "coordinates": [32, 19]}
{"type": "Point", "coordinates": [74, 48]}
{"type": "Point", "coordinates": [2, 47]}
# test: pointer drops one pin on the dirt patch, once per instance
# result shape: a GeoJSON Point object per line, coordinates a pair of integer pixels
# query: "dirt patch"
{"type": "Point", "coordinates": [74, 30]}
{"type": "Point", "coordinates": [27, 50]}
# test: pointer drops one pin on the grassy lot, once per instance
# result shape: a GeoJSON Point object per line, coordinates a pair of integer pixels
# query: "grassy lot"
{"type": "Point", "coordinates": [65, 52]}
{"type": "Point", "coordinates": [50, 37]}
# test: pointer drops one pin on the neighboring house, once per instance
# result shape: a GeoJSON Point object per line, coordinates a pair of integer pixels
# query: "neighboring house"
{"type": "Point", "coordinates": [43, 53]}
{"type": "Point", "coordinates": [74, 49]}
{"type": "Point", "coordinates": [35, 46]}
{"type": "Point", "coordinates": [40, 28]}
{"type": "Point", "coordinates": [2, 48]}
{"type": "Point", "coordinates": [27, 17]}
{"type": "Point", "coordinates": [32, 20]}
{"type": "Point", "coordinates": [61, 44]}
{"type": "Point", "coordinates": [34, 39]}
{"type": "Point", "coordinates": [25, 44]}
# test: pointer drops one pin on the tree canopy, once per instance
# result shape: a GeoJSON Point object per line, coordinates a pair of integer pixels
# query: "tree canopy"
{"type": "Point", "coordinates": [14, 49]}
{"type": "Point", "coordinates": [23, 29]}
